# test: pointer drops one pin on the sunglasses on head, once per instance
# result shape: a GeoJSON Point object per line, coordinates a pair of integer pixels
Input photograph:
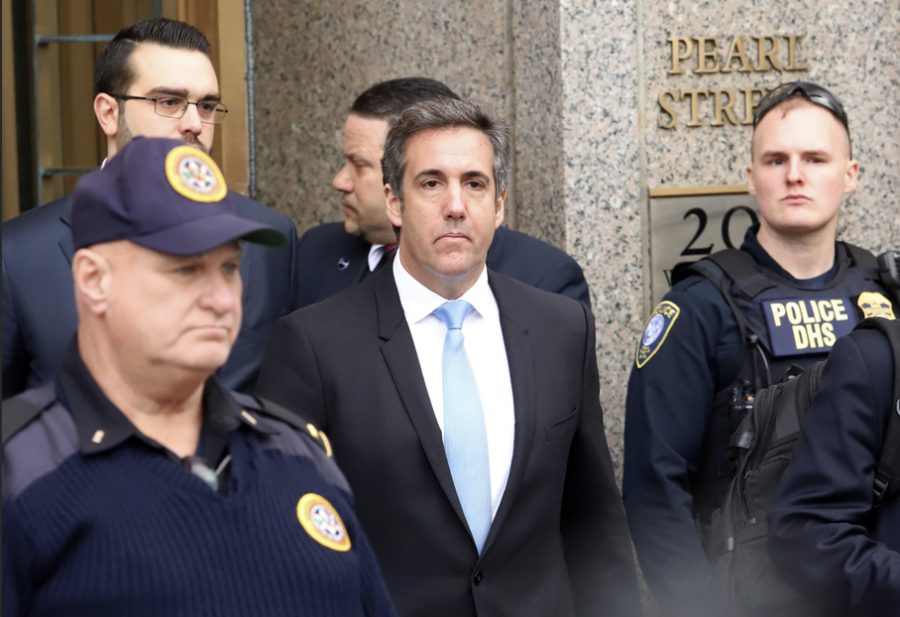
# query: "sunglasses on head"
{"type": "Point", "coordinates": [811, 92]}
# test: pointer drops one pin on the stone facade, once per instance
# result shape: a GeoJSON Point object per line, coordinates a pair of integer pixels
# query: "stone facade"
{"type": "Point", "coordinates": [580, 81]}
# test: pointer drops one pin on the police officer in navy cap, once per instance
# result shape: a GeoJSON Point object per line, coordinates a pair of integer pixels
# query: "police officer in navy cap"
{"type": "Point", "coordinates": [835, 539]}
{"type": "Point", "coordinates": [735, 323]}
{"type": "Point", "coordinates": [134, 483]}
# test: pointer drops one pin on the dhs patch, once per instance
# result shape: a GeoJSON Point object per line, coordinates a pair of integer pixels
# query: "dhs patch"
{"type": "Point", "coordinates": [656, 331]}
{"type": "Point", "coordinates": [874, 304]}
{"type": "Point", "coordinates": [799, 326]}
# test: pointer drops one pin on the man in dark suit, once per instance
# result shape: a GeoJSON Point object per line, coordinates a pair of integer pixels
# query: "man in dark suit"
{"type": "Point", "coordinates": [335, 256]}
{"type": "Point", "coordinates": [154, 79]}
{"type": "Point", "coordinates": [462, 405]}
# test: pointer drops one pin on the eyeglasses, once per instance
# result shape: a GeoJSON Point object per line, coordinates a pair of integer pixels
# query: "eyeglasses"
{"type": "Point", "coordinates": [811, 92]}
{"type": "Point", "coordinates": [175, 107]}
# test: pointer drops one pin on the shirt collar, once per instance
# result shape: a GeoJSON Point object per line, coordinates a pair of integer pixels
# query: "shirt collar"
{"type": "Point", "coordinates": [375, 255]}
{"type": "Point", "coordinates": [419, 302]}
{"type": "Point", "coordinates": [751, 245]}
{"type": "Point", "coordinates": [101, 426]}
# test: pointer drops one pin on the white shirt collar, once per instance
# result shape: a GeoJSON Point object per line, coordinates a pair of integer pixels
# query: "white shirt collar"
{"type": "Point", "coordinates": [375, 255]}
{"type": "Point", "coordinates": [419, 302]}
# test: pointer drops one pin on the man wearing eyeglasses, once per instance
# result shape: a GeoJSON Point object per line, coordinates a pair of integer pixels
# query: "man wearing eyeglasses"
{"type": "Point", "coordinates": [155, 79]}
{"type": "Point", "coordinates": [733, 324]}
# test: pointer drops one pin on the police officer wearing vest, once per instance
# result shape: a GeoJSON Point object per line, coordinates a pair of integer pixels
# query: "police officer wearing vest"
{"type": "Point", "coordinates": [734, 323]}
{"type": "Point", "coordinates": [136, 484]}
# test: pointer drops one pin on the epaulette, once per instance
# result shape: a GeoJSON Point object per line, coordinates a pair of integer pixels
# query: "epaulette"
{"type": "Point", "coordinates": [18, 412]}
{"type": "Point", "coordinates": [292, 419]}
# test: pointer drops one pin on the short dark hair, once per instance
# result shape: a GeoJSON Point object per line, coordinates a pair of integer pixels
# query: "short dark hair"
{"type": "Point", "coordinates": [388, 99]}
{"type": "Point", "coordinates": [440, 114]}
{"type": "Point", "coordinates": [113, 73]}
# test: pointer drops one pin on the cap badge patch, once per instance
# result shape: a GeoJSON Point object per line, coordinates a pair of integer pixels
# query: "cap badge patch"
{"type": "Point", "coordinates": [656, 331]}
{"type": "Point", "coordinates": [195, 175]}
{"type": "Point", "coordinates": [322, 522]}
{"type": "Point", "coordinates": [875, 305]}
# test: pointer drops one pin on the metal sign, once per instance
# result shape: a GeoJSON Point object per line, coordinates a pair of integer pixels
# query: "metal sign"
{"type": "Point", "coordinates": [690, 223]}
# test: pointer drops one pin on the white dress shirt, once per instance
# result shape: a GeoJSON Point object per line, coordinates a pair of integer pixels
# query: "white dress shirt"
{"type": "Point", "coordinates": [487, 355]}
{"type": "Point", "coordinates": [375, 255]}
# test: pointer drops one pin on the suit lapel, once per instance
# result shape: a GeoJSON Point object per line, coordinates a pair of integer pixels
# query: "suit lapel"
{"type": "Point", "coordinates": [521, 357]}
{"type": "Point", "coordinates": [65, 242]}
{"type": "Point", "coordinates": [399, 352]}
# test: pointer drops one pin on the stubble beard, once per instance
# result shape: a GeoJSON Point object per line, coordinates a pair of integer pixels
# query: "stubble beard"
{"type": "Point", "coordinates": [124, 135]}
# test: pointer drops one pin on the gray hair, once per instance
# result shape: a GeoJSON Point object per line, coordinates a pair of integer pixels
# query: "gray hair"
{"type": "Point", "coordinates": [444, 113]}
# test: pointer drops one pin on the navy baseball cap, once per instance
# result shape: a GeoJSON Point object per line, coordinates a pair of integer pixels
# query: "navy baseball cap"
{"type": "Point", "coordinates": [163, 195]}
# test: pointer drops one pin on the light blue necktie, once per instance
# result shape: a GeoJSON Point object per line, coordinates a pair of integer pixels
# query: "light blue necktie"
{"type": "Point", "coordinates": [465, 438]}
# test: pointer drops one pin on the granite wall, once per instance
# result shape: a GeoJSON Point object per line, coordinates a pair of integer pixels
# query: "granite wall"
{"type": "Point", "coordinates": [852, 48]}
{"type": "Point", "coordinates": [580, 81]}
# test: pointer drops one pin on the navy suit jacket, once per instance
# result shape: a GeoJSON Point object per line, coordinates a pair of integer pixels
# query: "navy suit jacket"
{"type": "Point", "coordinates": [39, 316]}
{"type": "Point", "coordinates": [324, 250]}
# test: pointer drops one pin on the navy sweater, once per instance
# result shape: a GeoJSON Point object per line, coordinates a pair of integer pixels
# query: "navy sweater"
{"type": "Point", "coordinates": [127, 531]}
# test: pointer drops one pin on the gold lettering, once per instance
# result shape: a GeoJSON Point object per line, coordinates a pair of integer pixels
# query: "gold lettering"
{"type": "Point", "coordinates": [767, 54]}
{"type": "Point", "coordinates": [815, 308]}
{"type": "Point", "coordinates": [806, 317]}
{"type": "Point", "coordinates": [727, 108]}
{"type": "Point", "coordinates": [824, 309]}
{"type": "Point", "coordinates": [815, 334]}
{"type": "Point", "coordinates": [800, 339]}
{"type": "Point", "coordinates": [792, 53]}
{"type": "Point", "coordinates": [840, 311]}
{"type": "Point", "coordinates": [695, 98]}
{"type": "Point", "coordinates": [777, 313]}
{"type": "Point", "coordinates": [828, 334]}
{"type": "Point", "coordinates": [793, 313]}
{"type": "Point", "coordinates": [738, 50]}
{"type": "Point", "coordinates": [676, 57]}
{"type": "Point", "coordinates": [705, 54]}
{"type": "Point", "coordinates": [750, 104]}
{"type": "Point", "coordinates": [668, 109]}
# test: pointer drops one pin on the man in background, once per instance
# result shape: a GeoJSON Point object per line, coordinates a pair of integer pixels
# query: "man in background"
{"type": "Point", "coordinates": [154, 78]}
{"type": "Point", "coordinates": [335, 256]}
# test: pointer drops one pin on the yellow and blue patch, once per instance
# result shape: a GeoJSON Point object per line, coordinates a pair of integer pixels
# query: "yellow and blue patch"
{"type": "Point", "coordinates": [195, 175]}
{"type": "Point", "coordinates": [800, 326]}
{"type": "Point", "coordinates": [322, 522]}
{"type": "Point", "coordinates": [874, 304]}
{"type": "Point", "coordinates": [656, 331]}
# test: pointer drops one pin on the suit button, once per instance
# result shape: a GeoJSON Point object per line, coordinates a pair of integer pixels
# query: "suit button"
{"type": "Point", "coordinates": [478, 578]}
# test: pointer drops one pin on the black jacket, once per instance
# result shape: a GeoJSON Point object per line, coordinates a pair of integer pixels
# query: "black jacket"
{"type": "Point", "coordinates": [823, 530]}
{"type": "Point", "coordinates": [559, 544]}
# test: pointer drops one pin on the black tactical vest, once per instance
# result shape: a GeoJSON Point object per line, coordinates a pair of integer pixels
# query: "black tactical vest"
{"type": "Point", "coordinates": [781, 325]}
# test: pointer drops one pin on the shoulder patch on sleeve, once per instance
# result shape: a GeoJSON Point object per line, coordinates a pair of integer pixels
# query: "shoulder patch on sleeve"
{"type": "Point", "coordinates": [656, 331]}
